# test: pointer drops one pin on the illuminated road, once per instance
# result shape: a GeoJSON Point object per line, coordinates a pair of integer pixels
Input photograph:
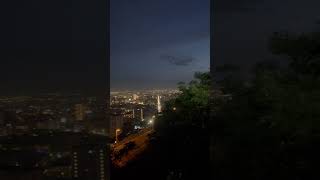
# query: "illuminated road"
{"type": "Point", "coordinates": [140, 140]}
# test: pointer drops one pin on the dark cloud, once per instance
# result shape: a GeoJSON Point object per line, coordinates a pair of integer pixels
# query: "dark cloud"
{"type": "Point", "coordinates": [178, 60]}
{"type": "Point", "coordinates": [143, 30]}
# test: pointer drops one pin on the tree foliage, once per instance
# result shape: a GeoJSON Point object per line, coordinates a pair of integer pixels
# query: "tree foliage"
{"type": "Point", "coordinates": [268, 127]}
{"type": "Point", "coordinates": [191, 107]}
{"type": "Point", "coordinates": [263, 127]}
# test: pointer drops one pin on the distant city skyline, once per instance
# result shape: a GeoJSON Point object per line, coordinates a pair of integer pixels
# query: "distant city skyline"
{"type": "Point", "coordinates": [156, 44]}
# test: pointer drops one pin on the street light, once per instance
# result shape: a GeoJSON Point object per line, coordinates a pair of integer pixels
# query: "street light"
{"type": "Point", "coordinates": [117, 131]}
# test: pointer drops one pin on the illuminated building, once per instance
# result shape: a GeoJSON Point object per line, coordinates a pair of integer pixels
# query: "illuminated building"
{"type": "Point", "coordinates": [80, 111]}
{"type": "Point", "coordinates": [159, 104]}
{"type": "Point", "coordinates": [90, 162]}
{"type": "Point", "coordinates": [135, 97]}
{"type": "Point", "coordinates": [116, 122]}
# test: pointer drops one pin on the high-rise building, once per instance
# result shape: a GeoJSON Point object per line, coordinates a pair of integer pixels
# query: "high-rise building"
{"type": "Point", "coordinates": [80, 112]}
{"type": "Point", "coordinates": [116, 122]}
{"type": "Point", "coordinates": [90, 162]}
{"type": "Point", "coordinates": [135, 97]}
{"type": "Point", "coordinates": [159, 104]}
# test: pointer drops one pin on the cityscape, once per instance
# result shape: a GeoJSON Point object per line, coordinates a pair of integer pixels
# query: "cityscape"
{"type": "Point", "coordinates": [41, 135]}
{"type": "Point", "coordinates": [51, 134]}
{"type": "Point", "coordinates": [159, 90]}
{"type": "Point", "coordinates": [65, 118]}
{"type": "Point", "coordinates": [160, 58]}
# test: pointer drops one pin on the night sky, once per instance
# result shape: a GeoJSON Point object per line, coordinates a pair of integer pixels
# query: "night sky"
{"type": "Point", "coordinates": [157, 43]}
{"type": "Point", "coordinates": [61, 45]}
{"type": "Point", "coordinates": [242, 28]}
{"type": "Point", "coordinates": [49, 46]}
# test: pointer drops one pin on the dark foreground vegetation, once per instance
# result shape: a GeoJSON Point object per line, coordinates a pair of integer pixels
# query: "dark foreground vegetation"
{"type": "Point", "coordinates": [270, 127]}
